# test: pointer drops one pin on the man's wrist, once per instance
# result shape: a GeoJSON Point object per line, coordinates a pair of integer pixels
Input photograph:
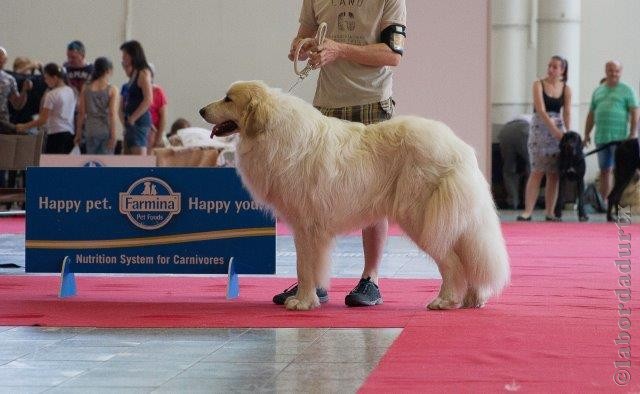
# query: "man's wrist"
{"type": "Point", "coordinates": [344, 48]}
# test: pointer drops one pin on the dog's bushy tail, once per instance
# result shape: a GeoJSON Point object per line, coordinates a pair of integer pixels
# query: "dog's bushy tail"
{"type": "Point", "coordinates": [481, 248]}
{"type": "Point", "coordinates": [462, 217]}
{"type": "Point", "coordinates": [483, 253]}
{"type": "Point", "coordinates": [446, 213]}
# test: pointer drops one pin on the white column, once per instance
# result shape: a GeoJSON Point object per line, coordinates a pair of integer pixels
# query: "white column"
{"type": "Point", "coordinates": [128, 20]}
{"type": "Point", "coordinates": [559, 34]}
{"type": "Point", "coordinates": [510, 38]}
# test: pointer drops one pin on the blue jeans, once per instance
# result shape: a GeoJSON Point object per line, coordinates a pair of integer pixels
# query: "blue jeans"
{"type": "Point", "coordinates": [97, 145]}
{"type": "Point", "coordinates": [136, 135]}
{"type": "Point", "coordinates": [606, 156]}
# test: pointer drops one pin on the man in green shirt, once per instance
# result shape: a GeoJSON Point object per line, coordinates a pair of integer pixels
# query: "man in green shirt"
{"type": "Point", "coordinates": [613, 110]}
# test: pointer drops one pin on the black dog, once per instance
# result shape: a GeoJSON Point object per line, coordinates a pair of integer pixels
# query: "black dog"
{"type": "Point", "coordinates": [7, 128]}
{"type": "Point", "coordinates": [627, 162]}
{"type": "Point", "coordinates": [571, 167]}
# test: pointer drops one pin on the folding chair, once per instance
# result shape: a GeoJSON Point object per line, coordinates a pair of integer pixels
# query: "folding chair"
{"type": "Point", "coordinates": [17, 152]}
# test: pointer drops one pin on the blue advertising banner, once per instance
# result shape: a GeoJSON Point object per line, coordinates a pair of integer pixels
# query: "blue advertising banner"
{"type": "Point", "coordinates": [145, 220]}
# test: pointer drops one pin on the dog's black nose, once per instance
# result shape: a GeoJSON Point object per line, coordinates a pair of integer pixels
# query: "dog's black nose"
{"type": "Point", "coordinates": [202, 111]}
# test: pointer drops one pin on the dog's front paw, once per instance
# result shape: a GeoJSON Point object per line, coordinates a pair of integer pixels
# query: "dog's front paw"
{"type": "Point", "coordinates": [441, 303]}
{"type": "Point", "coordinates": [296, 304]}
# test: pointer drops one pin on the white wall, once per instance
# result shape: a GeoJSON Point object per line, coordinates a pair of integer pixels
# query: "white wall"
{"type": "Point", "coordinates": [610, 30]}
{"type": "Point", "coordinates": [444, 74]}
{"type": "Point", "coordinates": [42, 29]}
{"type": "Point", "coordinates": [200, 46]}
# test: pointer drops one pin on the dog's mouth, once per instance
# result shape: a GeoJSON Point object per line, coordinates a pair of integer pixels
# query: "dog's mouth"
{"type": "Point", "coordinates": [223, 129]}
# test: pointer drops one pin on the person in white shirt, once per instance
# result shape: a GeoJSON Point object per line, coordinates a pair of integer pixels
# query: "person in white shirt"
{"type": "Point", "coordinates": [57, 112]}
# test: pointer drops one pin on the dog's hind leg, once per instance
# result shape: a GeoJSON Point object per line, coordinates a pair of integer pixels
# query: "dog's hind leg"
{"type": "Point", "coordinates": [582, 215]}
{"type": "Point", "coordinates": [627, 162]}
{"type": "Point", "coordinates": [312, 256]}
{"type": "Point", "coordinates": [621, 181]}
{"type": "Point", "coordinates": [474, 298]}
{"type": "Point", "coordinates": [453, 285]}
{"type": "Point", "coordinates": [622, 178]}
{"type": "Point", "coordinates": [476, 295]}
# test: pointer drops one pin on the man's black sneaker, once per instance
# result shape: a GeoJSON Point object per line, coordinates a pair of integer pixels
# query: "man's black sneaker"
{"type": "Point", "coordinates": [279, 299]}
{"type": "Point", "coordinates": [366, 293]}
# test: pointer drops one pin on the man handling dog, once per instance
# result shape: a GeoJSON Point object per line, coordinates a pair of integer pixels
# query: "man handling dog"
{"type": "Point", "coordinates": [364, 39]}
{"type": "Point", "coordinates": [613, 110]}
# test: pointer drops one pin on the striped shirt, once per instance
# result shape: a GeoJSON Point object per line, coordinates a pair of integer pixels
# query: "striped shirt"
{"type": "Point", "coordinates": [611, 107]}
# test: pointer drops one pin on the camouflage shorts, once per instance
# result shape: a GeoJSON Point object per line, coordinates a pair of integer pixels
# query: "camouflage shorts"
{"type": "Point", "coordinates": [367, 114]}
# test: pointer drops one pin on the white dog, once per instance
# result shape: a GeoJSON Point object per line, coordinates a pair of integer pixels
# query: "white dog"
{"type": "Point", "coordinates": [325, 176]}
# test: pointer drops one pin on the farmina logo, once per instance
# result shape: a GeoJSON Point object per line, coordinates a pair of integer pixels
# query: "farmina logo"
{"type": "Point", "coordinates": [149, 203]}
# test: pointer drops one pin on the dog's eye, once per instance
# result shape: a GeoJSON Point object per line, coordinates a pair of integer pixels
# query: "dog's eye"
{"type": "Point", "coordinates": [226, 99]}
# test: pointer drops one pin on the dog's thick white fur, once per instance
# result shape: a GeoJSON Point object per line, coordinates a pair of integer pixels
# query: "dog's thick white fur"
{"type": "Point", "coordinates": [325, 176]}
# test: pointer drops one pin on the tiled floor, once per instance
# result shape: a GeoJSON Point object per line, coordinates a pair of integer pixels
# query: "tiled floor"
{"type": "Point", "coordinates": [83, 360]}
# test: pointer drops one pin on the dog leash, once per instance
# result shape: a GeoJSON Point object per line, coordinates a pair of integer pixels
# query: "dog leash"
{"type": "Point", "coordinates": [605, 146]}
{"type": "Point", "coordinates": [302, 74]}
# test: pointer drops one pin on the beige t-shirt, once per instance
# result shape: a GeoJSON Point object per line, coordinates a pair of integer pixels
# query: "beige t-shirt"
{"type": "Point", "coordinates": [358, 22]}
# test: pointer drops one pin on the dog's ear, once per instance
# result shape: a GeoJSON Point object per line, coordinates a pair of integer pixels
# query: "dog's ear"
{"type": "Point", "coordinates": [252, 120]}
{"type": "Point", "coordinates": [255, 118]}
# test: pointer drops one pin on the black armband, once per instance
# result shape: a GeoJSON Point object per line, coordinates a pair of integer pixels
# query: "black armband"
{"type": "Point", "coordinates": [394, 36]}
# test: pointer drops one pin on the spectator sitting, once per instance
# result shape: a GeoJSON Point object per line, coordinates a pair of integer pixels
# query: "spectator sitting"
{"type": "Point", "coordinates": [180, 123]}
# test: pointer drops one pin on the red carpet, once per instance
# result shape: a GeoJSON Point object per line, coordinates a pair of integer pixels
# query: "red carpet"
{"type": "Point", "coordinates": [180, 301]}
{"type": "Point", "coordinates": [553, 329]}
{"type": "Point", "coordinates": [12, 225]}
